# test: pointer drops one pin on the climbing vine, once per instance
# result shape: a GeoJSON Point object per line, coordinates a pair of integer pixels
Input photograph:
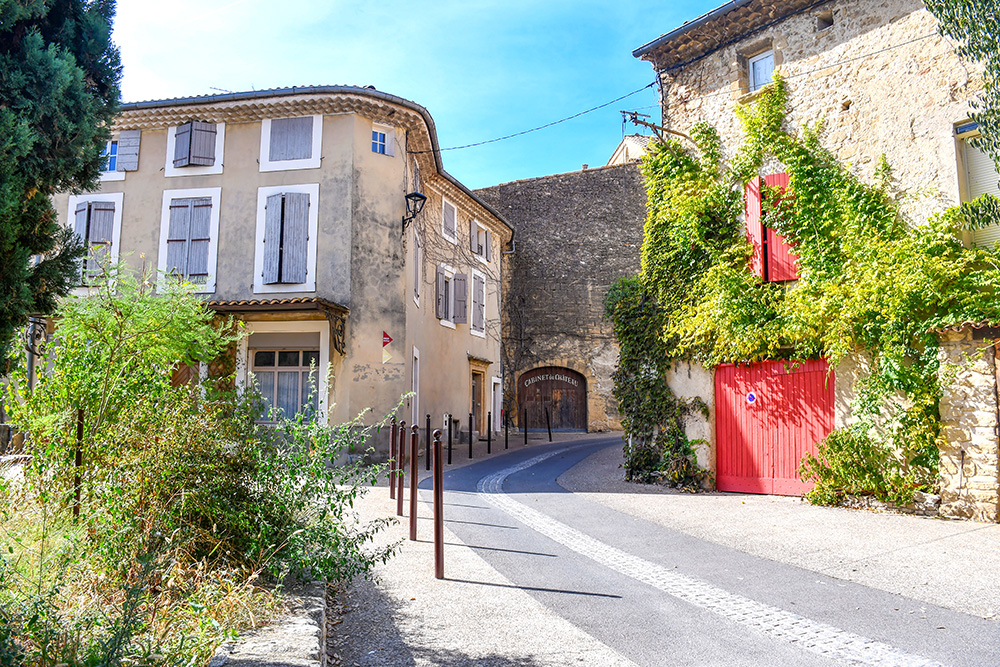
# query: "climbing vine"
{"type": "Point", "coordinates": [871, 287]}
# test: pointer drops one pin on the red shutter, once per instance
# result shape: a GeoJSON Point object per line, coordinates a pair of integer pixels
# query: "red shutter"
{"type": "Point", "coordinates": [754, 230]}
{"type": "Point", "coordinates": [781, 261]}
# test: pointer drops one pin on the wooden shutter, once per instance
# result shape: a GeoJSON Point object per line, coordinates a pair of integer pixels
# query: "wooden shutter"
{"type": "Point", "coordinates": [782, 263]}
{"type": "Point", "coordinates": [295, 238]}
{"type": "Point", "coordinates": [178, 236]}
{"type": "Point", "coordinates": [102, 227]}
{"type": "Point", "coordinates": [416, 264]}
{"type": "Point", "coordinates": [489, 243]}
{"type": "Point", "coordinates": [202, 144]}
{"type": "Point", "coordinates": [80, 223]}
{"type": "Point", "coordinates": [478, 303]}
{"type": "Point", "coordinates": [272, 239]}
{"type": "Point", "coordinates": [473, 237]}
{"type": "Point", "coordinates": [754, 226]}
{"type": "Point", "coordinates": [982, 179]}
{"type": "Point", "coordinates": [439, 307]}
{"type": "Point", "coordinates": [291, 139]}
{"type": "Point", "coordinates": [182, 145]}
{"type": "Point", "coordinates": [461, 286]}
{"type": "Point", "coordinates": [449, 219]}
{"type": "Point", "coordinates": [200, 239]}
{"type": "Point", "coordinates": [128, 150]}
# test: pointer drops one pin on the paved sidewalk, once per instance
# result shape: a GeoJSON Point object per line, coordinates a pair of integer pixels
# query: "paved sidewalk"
{"type": "Point", "coordinates": [476, 617]}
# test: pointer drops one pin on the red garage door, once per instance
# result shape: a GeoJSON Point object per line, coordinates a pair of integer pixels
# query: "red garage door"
{"type": "Point", "coordinates": [767, 416]}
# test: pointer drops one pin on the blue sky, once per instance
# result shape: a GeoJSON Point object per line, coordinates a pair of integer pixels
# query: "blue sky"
{"type": "Point", "coordinates": [483, 69]}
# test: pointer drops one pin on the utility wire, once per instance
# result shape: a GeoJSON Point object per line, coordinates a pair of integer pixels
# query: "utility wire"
{"type": "Point", "coordinates": [540, 127]}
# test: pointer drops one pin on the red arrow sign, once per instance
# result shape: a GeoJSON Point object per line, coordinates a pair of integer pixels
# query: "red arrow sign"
{"type": "Point", "coordinates": [386, 339]}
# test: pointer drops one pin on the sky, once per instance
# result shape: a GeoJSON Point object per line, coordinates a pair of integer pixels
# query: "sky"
{"type": "Point", "coordinates": [483, 68]}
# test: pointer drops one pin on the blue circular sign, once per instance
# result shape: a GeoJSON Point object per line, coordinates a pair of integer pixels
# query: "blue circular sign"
{"type": "Point", "coordinates": [751, 397]}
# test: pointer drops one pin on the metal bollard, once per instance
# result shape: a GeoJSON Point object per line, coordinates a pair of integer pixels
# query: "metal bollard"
{"type": "Point", "coordinates": [438, 478]}
{"type": "Point", "coordinates": [470, 435]}
{"type": "Point", "coordinates": [489, 432]}
{"type": "Point", "coordinates": [392, 459]}
{"type": "Point", "coordinates": [401, 455]}
{"type": "Point", "coordinates": [506, 430]}
{"type": "Point", "coordinates": [548, 423]}
{"type": "Point", "coordinates": [525, 427]}
{"type": "Point", "coordinates": [414, 451]}
{"type": "Point", "coordinates": [449, 438]}
{"type": "Point", "coordinates": [427, 438]}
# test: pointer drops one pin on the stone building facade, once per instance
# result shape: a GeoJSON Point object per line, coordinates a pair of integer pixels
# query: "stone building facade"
{"type": "Point", "coordinates": [576, 234]}
{"type": "Point", "coordinates": [881, 80]}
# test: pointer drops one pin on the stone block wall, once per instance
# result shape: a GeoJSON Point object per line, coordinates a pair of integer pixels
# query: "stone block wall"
{"type": "Point", "coordinates": [880, 79]}
{"type": "Point", "coordinates": [970, 455]}
{"type": "Point", "coordinates": [575, 235]}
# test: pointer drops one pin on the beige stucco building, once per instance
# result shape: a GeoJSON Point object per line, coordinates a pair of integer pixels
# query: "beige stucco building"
{"type": "Point", "coordinates": [288, 209]}
{"type": "Point", "coordinates": [883, 82]}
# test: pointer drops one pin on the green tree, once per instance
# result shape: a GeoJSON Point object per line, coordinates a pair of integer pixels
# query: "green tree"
{"type": "Point", "coordinates": [975, 24]}
{"type": "Point", "coordinates": [59, 76]}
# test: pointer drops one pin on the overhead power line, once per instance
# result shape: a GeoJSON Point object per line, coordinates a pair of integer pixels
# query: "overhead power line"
{"type": "Point", "coordinates": [541, 127]}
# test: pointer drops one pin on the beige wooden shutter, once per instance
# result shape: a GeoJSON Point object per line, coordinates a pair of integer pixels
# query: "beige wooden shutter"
{"type": "Point", "coordinates": [982, 177]}
{"type": "Point", "coordinates": [439, 308]}
{"type": "Point", "coordinates": [473, 237]}
{"type": "Point", "coordinates": [272, 239]}
{"type": "Point", "coordinates": [416, 264]}
{"type": "Point", "coordinates": [291, 139]}
{"type": "Point", "coordinates": [478, 303]}
{"type": "Point", "coordinates": [461, 286]}
{"type": "Point", "coordinates": [202, 144]}
{"type": "Point", "coordinates": [128, 150]}
{"type": "Point", "coordinates": [295, 238]}
{"type": "Point", "coordinates": [449, 219]}
{"type": "Point", "coordinates": [182, 145]}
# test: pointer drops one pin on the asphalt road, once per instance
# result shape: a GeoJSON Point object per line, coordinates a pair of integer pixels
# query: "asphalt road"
{"type": "Point", "coordinates": [660, 597]}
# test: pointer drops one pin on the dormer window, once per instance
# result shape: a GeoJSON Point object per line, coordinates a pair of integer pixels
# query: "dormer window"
{"type": "Point", "coordinates": [760, 70]}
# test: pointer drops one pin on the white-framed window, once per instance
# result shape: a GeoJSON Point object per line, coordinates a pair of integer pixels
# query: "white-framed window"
{"type": "Point", "coordinates": [760, 70]}
{"type": "Point", "coordinates": [285, 249]}
{"type": "Point", "coordinates": [291, 143]}
{"type": "Point", "coordinates": [97, 220]}
{"type": "Point", "coordinates": [452, 296]}
{"type": "Point", "coordinates": [189, 235]}
{"type": "Point", "coordinates": [109, 170]}
{"type": "Point", "coordinates": [449, 221]}
{"type": "Point", "coordinates": [195, 149]}
{"type": "Point", "coordinates": [418, 275]}
{"type": "Point", "coordinates": [286, 380]}
{"type": "Point", "coordinates": [310, 339]}
{"type": "Point", "coordinates": [980, 177]}
{"type": "Point", "coordinates": [478, 323]}
{"type": "Point", "coordinates": [480, 241]}
{"type": "Point", "coordinates": [383, 139]}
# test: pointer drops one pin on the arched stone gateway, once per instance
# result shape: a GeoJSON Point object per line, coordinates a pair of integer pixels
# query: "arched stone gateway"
{"type": "Point", "coordinates": [560, 390]}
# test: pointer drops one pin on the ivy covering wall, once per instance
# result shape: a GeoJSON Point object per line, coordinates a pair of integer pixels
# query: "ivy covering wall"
{"type": "Point", "coordinates": [871, 285]}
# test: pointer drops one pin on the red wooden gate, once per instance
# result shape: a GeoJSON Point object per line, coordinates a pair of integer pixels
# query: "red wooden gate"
{"type": "Point", "coordinates": [767, 416]}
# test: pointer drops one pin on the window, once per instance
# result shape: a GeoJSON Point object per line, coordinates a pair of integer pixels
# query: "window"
{"type": "Point", "coordinates": [980, 178]}
{"type": "Point", "coordinates": [481, 242]}
{"type": "Point", "coordinates": [189, 232]}
{"type": "Point", "coordinates": [452, 291]}
{"type": "Point", "coordinates": [478, 304]}
{"type": "Point", "coordinates": [417, 274]}
{"type": "Point", "coordinates": [382, 140]}
{"type": "Point", "coordinates": [97, 220]}
{"type": "Point", "coordinates": [193, 149]}
{"type": "Point", "coordinates": [760, 70]}
{"type": "Point", "coordinates": [772, 259]}
{"type": "Point", "coordinates": [287, 222]}
{"type": "Point", "coordinates": [110, 155]}
{"type": "Point", "coordinates": [287, 381]}
{"type": "Point", "coordinates": [449, 215]}
{"type": "Point", "coordinates": [291, 143]}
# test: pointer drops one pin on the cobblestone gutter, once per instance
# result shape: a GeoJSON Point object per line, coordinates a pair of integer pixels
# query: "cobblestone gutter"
{"type": "Point", "coordinates": [297, 639]}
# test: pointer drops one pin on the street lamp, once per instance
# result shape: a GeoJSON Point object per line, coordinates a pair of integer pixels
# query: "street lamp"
{"type": "Point", "coordinates": [414, 204]}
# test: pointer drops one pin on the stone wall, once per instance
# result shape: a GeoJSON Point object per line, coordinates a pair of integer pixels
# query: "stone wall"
{"type": "Point", "coordinates": [881, 80]}
{"type": "Point", "coordinates": [970, 474]}
{"type": "Point", "coordinates": [576, 233]}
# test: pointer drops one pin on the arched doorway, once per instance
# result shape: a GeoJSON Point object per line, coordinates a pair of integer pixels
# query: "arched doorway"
{"type": "Point", "coordinates": [560, 391]}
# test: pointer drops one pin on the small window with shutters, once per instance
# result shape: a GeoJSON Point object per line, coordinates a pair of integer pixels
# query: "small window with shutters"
{"type": "Point", "coordinates": [478, 324]}
{"type": "Point", "coordinates": [760, 70]}
{"type": "Point", "coordinates": [291, 143]}
{"type": "Point", "coordinates": [96, 219]}
{"type": "Point", "coordinates": [194, 148]}
{"type": "Point", "coordinates": [772, 259]}
{"type": "Point", "coordinates": [452, 296]}
{"type": "Point", "coordinates": [287, 221]}
{"type": "Point", "coordinates": [480, 241]}
{"type": "Point", "coordinates": [449, 221]}
{"type": "Point", "coordinates": [189, 231]}
{"type": "Point", "coordinates": [980, 178]}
